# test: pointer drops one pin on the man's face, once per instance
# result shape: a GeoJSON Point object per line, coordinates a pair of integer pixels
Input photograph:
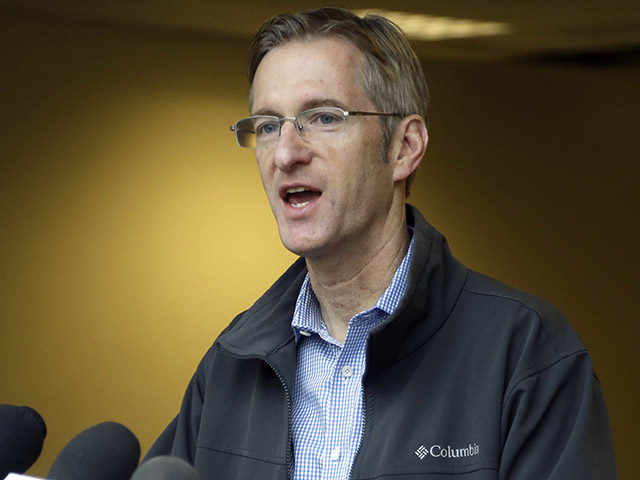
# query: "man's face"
{"type": "Point", "coordinates": [345, 186]}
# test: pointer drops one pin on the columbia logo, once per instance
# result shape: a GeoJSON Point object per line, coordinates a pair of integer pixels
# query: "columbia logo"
{"type": "Point", "coordinates": [422, 452]}
{"type": "Point", "coordinates": [437, 451]}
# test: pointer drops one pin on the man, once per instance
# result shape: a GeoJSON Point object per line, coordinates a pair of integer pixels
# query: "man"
{"type": "Point", "coordinates": [377, 355]}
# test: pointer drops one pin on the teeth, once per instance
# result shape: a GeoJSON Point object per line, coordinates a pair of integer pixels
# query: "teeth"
{"type": "Point", "coordinates": [299, 205]}
{"type": "Point", "coordinates": [297, 190]}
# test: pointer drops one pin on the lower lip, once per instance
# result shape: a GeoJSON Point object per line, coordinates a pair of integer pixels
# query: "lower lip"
{"type": "Point", "coordinates": [300, 212]}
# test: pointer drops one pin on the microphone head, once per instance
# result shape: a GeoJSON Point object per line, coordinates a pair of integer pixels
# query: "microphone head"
{"type": "Point", "coordinates": [107, 451]}
{"type": "Point", "coordinates": [22, 433]}
{"type": "Point", "coordinates": [165, 468]}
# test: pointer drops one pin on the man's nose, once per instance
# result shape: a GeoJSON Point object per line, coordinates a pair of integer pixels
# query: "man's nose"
{"type": "Point", "coordinates": [291, 148]}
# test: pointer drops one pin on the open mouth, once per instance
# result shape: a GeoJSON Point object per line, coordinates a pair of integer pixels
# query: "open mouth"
{"type": "Point", "coordinates": [300, 197]}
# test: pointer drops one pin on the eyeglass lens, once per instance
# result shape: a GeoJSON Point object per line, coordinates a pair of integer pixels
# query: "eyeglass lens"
{"type": "Point", "coordinates": [263, 130]}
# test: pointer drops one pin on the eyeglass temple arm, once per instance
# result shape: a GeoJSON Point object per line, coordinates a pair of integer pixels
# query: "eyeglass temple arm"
{"type": "Point", "coordinates": [385, 114]}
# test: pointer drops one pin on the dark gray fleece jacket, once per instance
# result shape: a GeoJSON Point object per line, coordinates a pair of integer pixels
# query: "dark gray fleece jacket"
{"type": "Point", "coordinates": [468, 379]}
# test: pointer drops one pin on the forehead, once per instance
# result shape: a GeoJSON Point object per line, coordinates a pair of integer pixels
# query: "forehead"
{"type": "Point", "coordinates": [304, 73]}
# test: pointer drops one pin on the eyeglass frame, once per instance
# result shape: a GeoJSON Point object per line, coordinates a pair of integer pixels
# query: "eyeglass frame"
{"type": "Point", "coordinates": [281, 120]}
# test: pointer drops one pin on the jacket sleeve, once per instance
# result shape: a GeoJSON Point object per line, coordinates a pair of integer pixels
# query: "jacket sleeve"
{"type": "Point", "coordinates": [179, 438]}
{"type": "Point", "coordinates": [555, 425]}
{"type": "Point", "coordinates": [164, 443]}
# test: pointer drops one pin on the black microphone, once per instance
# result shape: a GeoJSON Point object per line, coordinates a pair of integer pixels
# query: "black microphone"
{"type": "Point", "coordinates": [107, 451]}
{"type": "Point", "coordinates": [22, 433]}
{"type": "Point", "coordinates": [165, 468]}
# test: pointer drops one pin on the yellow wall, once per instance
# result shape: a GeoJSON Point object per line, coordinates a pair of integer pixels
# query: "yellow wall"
{"type": "Point", "coordinates": [132, 229]}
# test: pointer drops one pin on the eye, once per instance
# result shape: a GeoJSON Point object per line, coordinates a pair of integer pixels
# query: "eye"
{"type": "Point", "coordinates": [326, 118]}
{"type": "Point", "coordinates": [266, 127]}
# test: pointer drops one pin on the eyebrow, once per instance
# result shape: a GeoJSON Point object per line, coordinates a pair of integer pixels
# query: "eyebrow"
{"type": "Point", "coordinates": [313, 103]}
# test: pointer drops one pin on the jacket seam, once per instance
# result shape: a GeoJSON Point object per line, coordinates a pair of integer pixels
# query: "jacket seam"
{"type": "Point", "coordinates": [244, 454]}
{"type": "Point", "coordinates": [262, 357]}
{"type": "Point", "coordinates": [538, 370]}
{"type": "Point", "coordinates": [461, 471]}
{"type": "Point", "coordinates": [528, 307]}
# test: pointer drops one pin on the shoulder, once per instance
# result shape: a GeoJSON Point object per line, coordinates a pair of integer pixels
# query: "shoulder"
{"type": "Point", "coordinates": [508, 309]}
{"type": "Point", "coordinates": [518, 334]}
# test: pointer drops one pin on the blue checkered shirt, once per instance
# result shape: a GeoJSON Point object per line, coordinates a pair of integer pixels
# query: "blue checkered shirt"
{"type": "Point", "coordinates": [327, 397]}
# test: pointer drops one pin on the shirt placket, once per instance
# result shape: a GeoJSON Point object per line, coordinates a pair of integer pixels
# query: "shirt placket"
{"type": "Point", "coordinates": [343, 417]}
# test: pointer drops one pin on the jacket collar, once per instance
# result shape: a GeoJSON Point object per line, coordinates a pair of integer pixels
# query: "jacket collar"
{"type": "Point", "coordinates": [435, 281]}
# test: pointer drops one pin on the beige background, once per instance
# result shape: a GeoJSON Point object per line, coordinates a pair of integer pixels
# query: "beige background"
{"type": "Point", "coordinates": [132, 229]}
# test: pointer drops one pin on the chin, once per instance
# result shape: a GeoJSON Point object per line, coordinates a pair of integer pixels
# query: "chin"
{"type": "Point", "coordinates": [297, 249]}
{"type": "Point", "coordinates": [303, 247]}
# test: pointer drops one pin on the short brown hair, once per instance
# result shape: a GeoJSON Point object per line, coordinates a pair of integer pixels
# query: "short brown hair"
{"type": "Point", "coordinates": [393, 79]}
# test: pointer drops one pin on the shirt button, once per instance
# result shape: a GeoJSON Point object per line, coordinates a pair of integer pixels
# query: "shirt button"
{"type": "Point", "coordinates": [347, 371]}
{"type": "Point", "coordinates": [335, 454]}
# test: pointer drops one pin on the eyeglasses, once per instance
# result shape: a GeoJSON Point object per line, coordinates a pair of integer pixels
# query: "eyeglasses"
{"type": "Point", "coordinates": [261, 131]}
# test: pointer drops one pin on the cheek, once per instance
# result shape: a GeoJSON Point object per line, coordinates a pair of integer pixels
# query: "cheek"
{"type": "Point", "coordinates": [359, 172]}
{"type": "Point", "coordinates": [267, 184]}
{"type": "Point", "coordinates": [263, 170]}
{"type": "Point", "coordinates": [373, 168]}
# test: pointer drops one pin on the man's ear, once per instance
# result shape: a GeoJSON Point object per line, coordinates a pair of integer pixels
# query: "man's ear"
{"type": "Point", "coordinates": [407, 146]}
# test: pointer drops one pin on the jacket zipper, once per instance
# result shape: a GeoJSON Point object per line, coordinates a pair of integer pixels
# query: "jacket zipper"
{"type": "Point", "coordinates": [286, 394]}
{"type": "Point", "coordinates": [363, 418]}
{"type": "Point", "coordinates": [288, 460]}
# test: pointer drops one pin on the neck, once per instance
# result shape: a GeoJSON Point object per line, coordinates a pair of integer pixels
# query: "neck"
{"type": "Point", "coordinates": [350, 283]}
